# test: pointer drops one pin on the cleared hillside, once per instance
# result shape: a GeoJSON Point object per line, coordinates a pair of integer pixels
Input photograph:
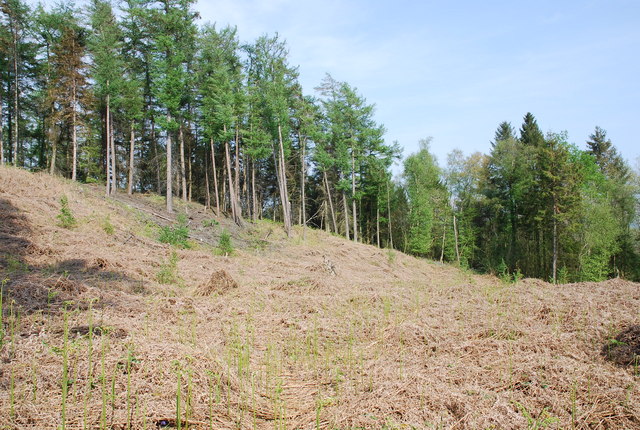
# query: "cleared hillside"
{"type": "Point", "coordinates": [283, 333]}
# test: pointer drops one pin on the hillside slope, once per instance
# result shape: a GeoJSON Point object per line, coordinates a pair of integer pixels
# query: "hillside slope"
{"type": "Point", "coordinates": [106, 327]}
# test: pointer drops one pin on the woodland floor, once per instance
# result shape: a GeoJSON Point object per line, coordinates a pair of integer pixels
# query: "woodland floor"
{"type": "Point", "coordinates": [318, 333]}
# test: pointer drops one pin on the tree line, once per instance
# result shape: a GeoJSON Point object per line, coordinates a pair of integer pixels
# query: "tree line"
{"type": "Point", "coordinates": [142, 98]}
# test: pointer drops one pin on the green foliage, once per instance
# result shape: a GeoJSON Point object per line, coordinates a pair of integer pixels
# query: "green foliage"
{"type": "Point", "coordinates": [177, 234]}
{"type": "Point", "coordinates": [107, 226]}
{"type": "Point", "coordinates": [426, 197]}
{"type": "Point", "coordinates": [65, 217]}
{"type": "Point", "coordinates": [225, 247]}
{"type": "Point", "coordinates": [210, 223]}
{"type": "Point", "coordinates": [168, 273]}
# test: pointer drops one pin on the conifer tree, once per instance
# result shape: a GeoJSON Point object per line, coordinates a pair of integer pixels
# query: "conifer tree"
{"type": "Point", "coordinates": [70, 92]}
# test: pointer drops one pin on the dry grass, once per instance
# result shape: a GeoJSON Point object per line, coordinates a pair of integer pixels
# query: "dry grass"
{"type": "Point", "coordinates": [324, 334]}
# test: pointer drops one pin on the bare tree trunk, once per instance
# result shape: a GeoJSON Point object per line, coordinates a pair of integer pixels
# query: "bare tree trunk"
{"type": "Point", "coordinates": [54, 151]}
{"type": "Point", "coordinates": [114, 186]}
{"type": "Point", "coordinates": [455, 233]}
{"type": "Point", "coordinates": [169, 197]}
{"type": "Point", "coordinates": [353, 196]}
{"type": "Point", "coordinates": [1, 133]}
{"type": "Point", "coordinates": [108, 145]}
{"type": "Point", "coordinates": [237, 167]}
{"type": "Point", "coordinates": [235, 211]}
{"type": "Point", "coordinates": [555, 242]}
{"type": "Point", "coordinates": [183, 173]}
{"type": "Point", "coordinates": [156, 156]}
{"type": "Point", "coordinates": [333, 212]}
{"type": "Point", "coordinates": [302, 197]}
{"type": "Point", "coordinates": [215, 177]}
{"type": "Point", "coordinates": [207, 204]}
{"type": "Point", "coordinates": [346, 215]}
{"type": "Point", "coordinates": [284, 194]}
{"type": "Point", "coordinates": [389, 216]}
{"type": "Point", "coordinates": [16, 111]}
{"type": "Point", "coordinates": [254, 200]}
{"type": "Point", "coordinates": [189, 165]}
{"type": "Point", "coordinates": [378, 225]}
{"type": "Point", "coordinates": [74, 140]}
{"type": "Point", "coordinates": [132, 142]}
{"type": "Point", "coordinates": [444, 234]}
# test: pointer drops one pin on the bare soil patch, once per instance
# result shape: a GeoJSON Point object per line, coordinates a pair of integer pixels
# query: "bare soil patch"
{"type": "Point", "coordinates": [321, 333]}
{"type": "Point", "coordinates": [624, 349]}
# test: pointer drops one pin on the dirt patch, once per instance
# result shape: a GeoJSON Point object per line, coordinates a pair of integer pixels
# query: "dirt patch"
{"type": "Point", "coordinates": [300, 284]}
{"type": "Point", "coordinates": [624, 349]}
{"type": "Point", "coordinates": [220, 282]}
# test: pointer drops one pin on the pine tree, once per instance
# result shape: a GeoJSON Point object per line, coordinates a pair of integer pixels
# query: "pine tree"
{"type": "Point", "coordinates": [530, 133]}
{"type": "Point", "coordinates": [70, 93]}
{"type": "Point", "coordinates": [107, 71]}
{"type": "Point", "coordinates": [16, 15]}
{"type": "Point", "coordinates": [271, 85]}
{"type": "Point", "coordinates": [504, 132]}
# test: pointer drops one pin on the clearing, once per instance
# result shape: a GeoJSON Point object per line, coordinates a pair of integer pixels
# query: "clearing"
{"type": "Point", "coordinates": [105, 327]}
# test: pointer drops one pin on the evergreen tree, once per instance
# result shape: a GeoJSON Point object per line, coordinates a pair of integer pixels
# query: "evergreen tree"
{"type": "Point", "coordinates": [105, 45]}
{"type": "Point", "coordinates": [69, 94]}
{"type": "Point", "coordinates": [504, 132]}
{"type": "Point", "coordinates": [530, 133]}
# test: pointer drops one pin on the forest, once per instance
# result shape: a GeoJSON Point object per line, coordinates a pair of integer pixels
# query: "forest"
{"type": "Point", "coordinates": [145, 98]}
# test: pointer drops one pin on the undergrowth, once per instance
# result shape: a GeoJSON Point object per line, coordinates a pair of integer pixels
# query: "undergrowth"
{"type": "Point", "coordinates": [65, 217]}
{"type": "Point", "coordinates": [177, 234]}
{"type": "Point", "coordinates": [225, 247]}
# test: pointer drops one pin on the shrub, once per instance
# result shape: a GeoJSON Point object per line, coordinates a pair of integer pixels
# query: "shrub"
{"type": "Point", "coordinates": [107, 226]}
{"type": "Point", "coordinates": [66, 218]}
{"type": "Point", "coordinates": [168, 273]}
{"type": "Point", "coordinates": [177, 234]}
{"type": "Point", "coordinates": [210, 223]}
{"type": "Point", "coordinates": [225, 247]}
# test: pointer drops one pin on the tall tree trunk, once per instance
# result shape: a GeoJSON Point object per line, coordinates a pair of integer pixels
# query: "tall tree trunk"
{"type": "Point", "coordinates": [389, 217]}
{"type": "Point", "coordinates": [235, 210]}
{"type": "Point", "coordinates": [237, 166]}
{"type": "Point", "coordinates": [74, 140]}
{"type": "Point", "coordinates": [207, 204]}
{"type": "Point", "coordinates": [302, 197]}
{"type": "Point", "coordinates": [183, 172]}
{"type": "Point", "coordinates": [455, 233]}
{"type": "Point", "coordinates": [189, 159]}
{"type": "Point", "coordinates": [132, 142]}
{"type": "Point", "coordinates": [555, 241]}
{"type": "Point", "coordinates": [330, 200]}
{"type": "Point", "coordinates": [54, 151]}
{"type": "Point", "coordinates": [353, 196]}
{"type": "Point", "coordinates": [284, 194]}
{"type": "Point", "coordinates": [215, 177]}
{"type": "Point", "coordinates": [1, 131]}
{"type": "Point", "coordinates": [444, 234]}
{"type": "Point", "coordinates": [16, 111]}
{"type": "Point", "coordinates": [169, 197]}
{"type": "Point", "coordinates": [156, 155]}
{"type": "Point", "coordinates": [112, 138]}
{"type": "Point", "coordinates": [377, 225]}
{"type": "Point", "coordinates": [254, 201]}
{"type": "Point", "coordinates": [108, 145]}
{"type": "Point", "coordinates": [346, 215]}
{"type": "Point", "coordinates": [513, 219]}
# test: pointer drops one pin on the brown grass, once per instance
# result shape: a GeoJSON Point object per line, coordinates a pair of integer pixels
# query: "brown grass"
{"type": "Point", "coordinates": [318, 334]}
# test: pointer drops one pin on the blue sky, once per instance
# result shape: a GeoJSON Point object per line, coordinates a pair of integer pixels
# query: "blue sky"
{"type": "Point", "coordinates": [455, 70]}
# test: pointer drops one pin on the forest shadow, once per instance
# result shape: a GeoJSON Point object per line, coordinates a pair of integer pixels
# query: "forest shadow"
{"type": "Point", "coordinates": [53, 287]}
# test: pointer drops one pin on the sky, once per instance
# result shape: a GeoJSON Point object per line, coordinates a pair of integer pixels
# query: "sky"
{"type": "Point", "coordinates": [454, 70]}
